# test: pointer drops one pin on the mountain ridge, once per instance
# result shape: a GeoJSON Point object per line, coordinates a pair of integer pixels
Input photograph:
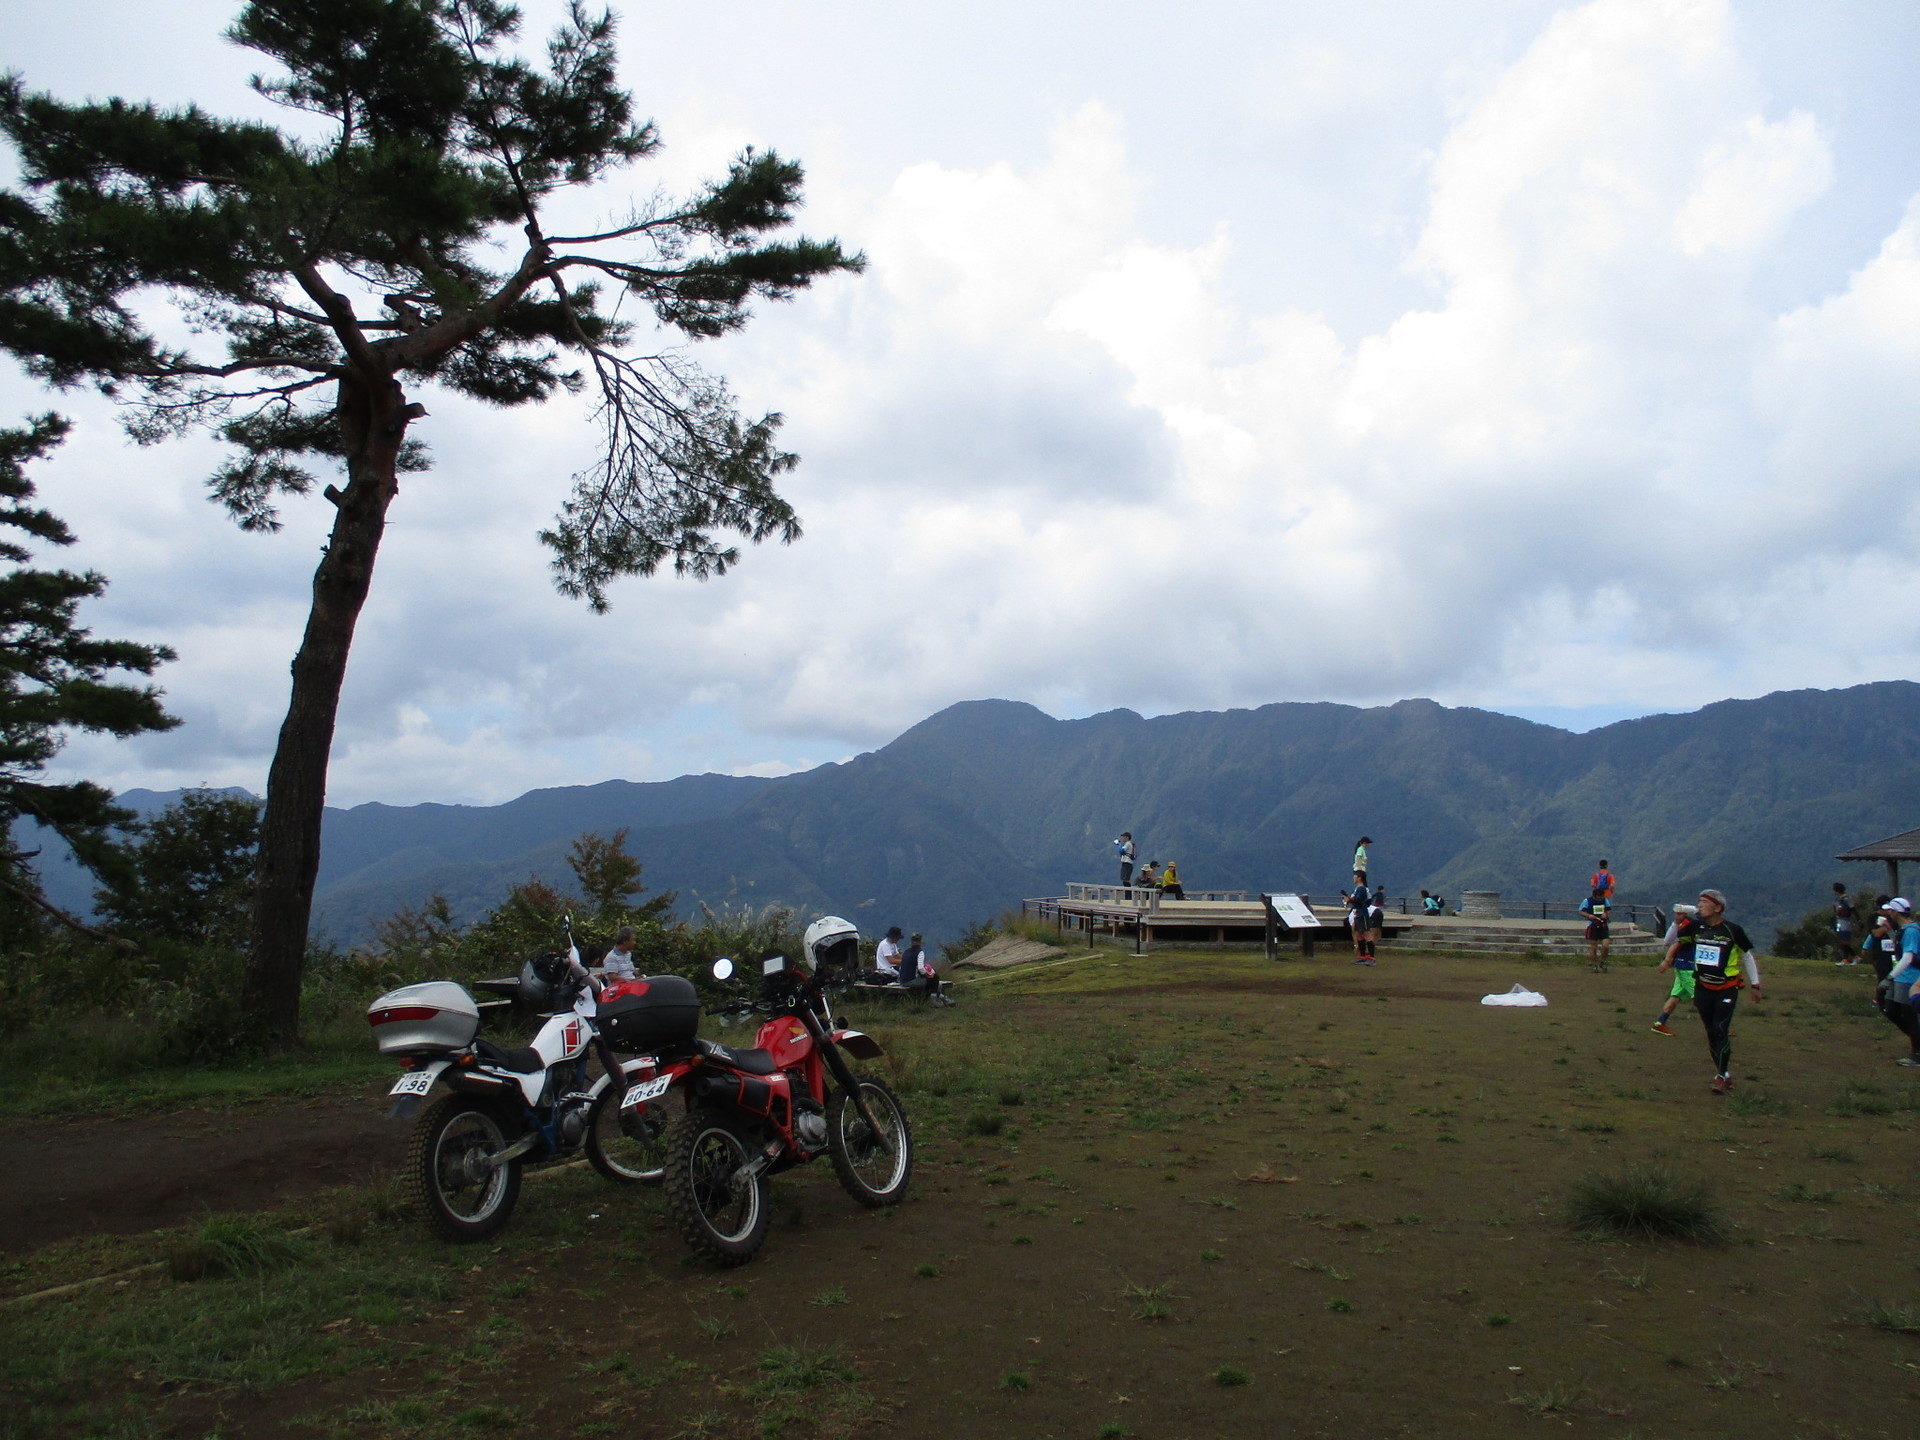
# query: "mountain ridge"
{"type": "Point", "coordinates": [987, 801]}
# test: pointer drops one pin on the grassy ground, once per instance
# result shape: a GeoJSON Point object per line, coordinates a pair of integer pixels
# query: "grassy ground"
{"type": "Point", "coordinates": [89, 1068]}
{"type": "Point", "coordinates": [1176, 1196]}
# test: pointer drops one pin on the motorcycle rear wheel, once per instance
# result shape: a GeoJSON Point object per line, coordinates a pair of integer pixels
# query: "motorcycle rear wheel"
{"type": "Point", "coordinates": [721, 1216]}
{"type": "Point", "coordinates": [627, 1150]}
{"type": "Point", "coordinates": [447, 1173]}
{"type": "Point", "coordinates": [873, 1174]}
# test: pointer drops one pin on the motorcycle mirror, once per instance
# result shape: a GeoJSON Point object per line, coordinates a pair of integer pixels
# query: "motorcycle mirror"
{"type": "Point", "coordinates": [723, 969]}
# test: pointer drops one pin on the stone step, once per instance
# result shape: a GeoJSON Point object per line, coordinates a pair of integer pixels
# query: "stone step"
{"type": "Point", "coordinates": [1521, 938]}
{"type": "Point", "coordinates": [1519, 945]}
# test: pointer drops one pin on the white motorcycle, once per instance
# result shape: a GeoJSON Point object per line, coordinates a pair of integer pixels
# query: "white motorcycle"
{"type": "Point", "coordinates": [501, 1109]}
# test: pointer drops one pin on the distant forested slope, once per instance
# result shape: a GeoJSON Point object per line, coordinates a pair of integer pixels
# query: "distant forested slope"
{"type": "Point", "coordinates": [992, 800]}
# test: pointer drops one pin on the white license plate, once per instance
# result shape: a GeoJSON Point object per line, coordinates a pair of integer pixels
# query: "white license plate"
{"type": "Point", "coordinates": [418, 1082]}
{"type": "Point", "coordinates": [646, 1090]}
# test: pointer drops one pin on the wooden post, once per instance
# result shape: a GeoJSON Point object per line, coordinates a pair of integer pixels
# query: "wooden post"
{"type": "Point", "coordinates": [1893, 877]}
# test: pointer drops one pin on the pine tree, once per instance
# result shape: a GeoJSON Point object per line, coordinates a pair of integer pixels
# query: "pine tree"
{"type": "Point", "coordinates": [54, 678]}
{"type": "Point", "coordinates": [328, 280]}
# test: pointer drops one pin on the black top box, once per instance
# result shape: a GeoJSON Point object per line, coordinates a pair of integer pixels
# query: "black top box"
{"type": "Point", "coordinates": [668, 1014]}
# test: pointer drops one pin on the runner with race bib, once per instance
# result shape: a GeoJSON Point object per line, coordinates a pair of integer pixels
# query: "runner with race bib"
{"type": "Point", "coordinates": [1723, 965]}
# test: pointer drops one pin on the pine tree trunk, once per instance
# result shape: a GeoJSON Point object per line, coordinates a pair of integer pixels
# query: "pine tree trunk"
{"type": "Point", "coordinates": [373, 424]}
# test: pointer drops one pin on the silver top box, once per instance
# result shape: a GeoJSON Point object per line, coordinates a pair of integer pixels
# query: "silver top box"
{"type": "Point", "coordinates": [416, 1019]}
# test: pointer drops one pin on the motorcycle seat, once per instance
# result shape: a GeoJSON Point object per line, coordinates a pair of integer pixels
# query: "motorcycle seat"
{"type": "Point", "coordinates": [524, 1061]}
{"type": "Point", "coordinates": [752, 1062]}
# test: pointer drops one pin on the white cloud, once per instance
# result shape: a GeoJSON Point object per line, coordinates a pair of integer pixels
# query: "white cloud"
{"type": "Point", "coordinates": [1053, 453]}
{"type": "Point", "coordinates": [1751, 184]}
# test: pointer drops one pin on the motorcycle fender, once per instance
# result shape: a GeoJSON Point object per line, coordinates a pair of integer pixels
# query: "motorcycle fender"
{"type": "Point", "coordinates": [631, 1070]}
{"type": "Point", "coordinates": [405, 1107]}
{"type": "Point", "coordinates": [473, 1082]}
{"type": "Point", "coordinates": [858, 1044]}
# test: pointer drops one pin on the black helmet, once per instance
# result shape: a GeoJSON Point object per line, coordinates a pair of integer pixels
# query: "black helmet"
{"type": "Point", "coordinates": [547, 984]}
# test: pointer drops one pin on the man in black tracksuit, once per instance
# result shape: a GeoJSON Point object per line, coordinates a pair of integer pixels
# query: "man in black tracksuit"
{"type": "Point", "coordinates": [1723, 964]}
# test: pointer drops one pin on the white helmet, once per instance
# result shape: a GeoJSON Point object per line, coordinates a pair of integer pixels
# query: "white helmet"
{"type": "Point", "coordinates": [831, 941]}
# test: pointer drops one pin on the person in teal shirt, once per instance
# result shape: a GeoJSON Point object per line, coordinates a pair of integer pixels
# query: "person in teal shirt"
{"type": "Point", "coordinates": [1898, 987]}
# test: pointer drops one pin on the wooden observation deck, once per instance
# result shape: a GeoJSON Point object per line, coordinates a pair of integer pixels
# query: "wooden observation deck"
{"type": "Point", "coordinates": [1243, 917]}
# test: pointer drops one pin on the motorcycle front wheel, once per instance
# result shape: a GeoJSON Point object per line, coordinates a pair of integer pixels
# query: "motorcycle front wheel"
{"type": "Point", "coordinates": [874, 1173]}
{"type": "Point", "coordinates": [627, 1149]}
{"type": "Point", "coordinates": [448, 1166]}
{"type": "Point", "coordinates": [720, 1207]}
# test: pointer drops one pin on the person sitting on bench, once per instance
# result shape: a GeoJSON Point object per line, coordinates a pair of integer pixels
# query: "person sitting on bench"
{"type": "Point", "coordinates": [886, 960]}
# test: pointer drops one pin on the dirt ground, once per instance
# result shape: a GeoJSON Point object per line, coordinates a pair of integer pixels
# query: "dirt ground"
{"type": "Point", "coordinates": [128, 1174]}
{"type": "Point", "coordinates": [1165, 1197]}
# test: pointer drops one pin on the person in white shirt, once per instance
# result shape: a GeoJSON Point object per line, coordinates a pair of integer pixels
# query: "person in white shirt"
{"type": "Point", "coordinates": [617, 964]}
{"type": "Point", "coordinates": [886, 959]}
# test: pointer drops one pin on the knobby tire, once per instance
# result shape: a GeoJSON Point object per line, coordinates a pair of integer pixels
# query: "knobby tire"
{"type": "Point", "coordinates": [702, 1148]}
{"type": "Point", "coordinates": [433, 1155]}
{"type": "Point", "coordinates": [874, 1176]}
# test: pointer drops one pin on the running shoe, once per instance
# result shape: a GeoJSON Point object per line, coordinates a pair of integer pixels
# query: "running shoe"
{"type": "Point", "coordinates": [1721, 1085]}
{"type": "Point", "coordinates": [1908, 1060]}
{"type": "Point", "coordinates": [1660, 1027]}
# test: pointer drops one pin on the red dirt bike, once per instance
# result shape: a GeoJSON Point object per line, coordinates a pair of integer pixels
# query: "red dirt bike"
{"type": "Point", "coordinates": [751, 1113]}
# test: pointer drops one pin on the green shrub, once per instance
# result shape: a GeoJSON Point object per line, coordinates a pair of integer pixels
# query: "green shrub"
{"type": "Point", "coordinates": [974, 937]}
{"type": "Point", "coordinates": [1812, 937]}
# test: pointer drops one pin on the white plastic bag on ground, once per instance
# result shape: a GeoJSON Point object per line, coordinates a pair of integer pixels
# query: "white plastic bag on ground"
{"type": "Point", "coordinates": [1519, 995]}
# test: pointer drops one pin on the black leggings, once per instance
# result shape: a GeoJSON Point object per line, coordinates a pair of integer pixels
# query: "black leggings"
{"type": "Point", "coordinates": [1716, 1013]}
{"type": "Point", "coordinates": [1904, 1017]}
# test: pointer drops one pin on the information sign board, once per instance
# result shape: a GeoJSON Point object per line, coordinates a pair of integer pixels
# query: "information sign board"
{"type": "Point", "coordinates": [1294, 912]}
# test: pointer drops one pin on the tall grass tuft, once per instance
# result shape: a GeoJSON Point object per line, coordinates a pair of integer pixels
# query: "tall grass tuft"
{"type": "Point", "coordinates": [1646, 1204]}
{"type": "Point", "coordinates": [1899, 1319]}
{"type": "Point", "coordinates": [234, 1245]}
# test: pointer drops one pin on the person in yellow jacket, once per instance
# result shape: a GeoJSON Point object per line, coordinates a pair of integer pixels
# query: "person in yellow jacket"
{"type": "Point", "coordinates": [1170, 883]}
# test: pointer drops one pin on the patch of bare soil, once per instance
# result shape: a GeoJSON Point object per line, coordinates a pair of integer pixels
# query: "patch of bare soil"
{"type": "Point", "coordinates": [128, 1174]}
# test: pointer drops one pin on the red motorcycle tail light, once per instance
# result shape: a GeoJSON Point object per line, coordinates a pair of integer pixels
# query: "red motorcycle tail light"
{"type": "Point", "coordinates": [399, 1013]}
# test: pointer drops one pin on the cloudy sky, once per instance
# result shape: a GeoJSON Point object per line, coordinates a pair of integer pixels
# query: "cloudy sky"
{"type": "Point", "coordinates": [1558, 359]}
